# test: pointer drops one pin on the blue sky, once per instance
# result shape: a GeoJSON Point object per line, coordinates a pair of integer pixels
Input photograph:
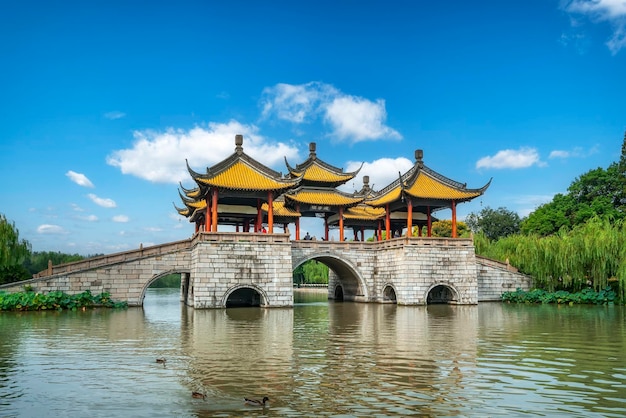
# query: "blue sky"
{"type": "Point", "coordinates": [102, 102]}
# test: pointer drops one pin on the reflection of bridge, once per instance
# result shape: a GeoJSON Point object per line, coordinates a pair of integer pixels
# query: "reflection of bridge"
{"type": "Point", "coordinates": [220, 269]}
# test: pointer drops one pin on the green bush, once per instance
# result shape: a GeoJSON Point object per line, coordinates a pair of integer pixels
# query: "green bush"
{"type": "Point", "coordinates": [585, 296]}
{"type": "Point", "coordinates": [34, 301]}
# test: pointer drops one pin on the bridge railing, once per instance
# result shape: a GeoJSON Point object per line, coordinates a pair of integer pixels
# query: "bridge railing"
{"type": "Point", "coordinates": [390, 243]}
{"type": "Point", "coordinates": [95, 262]}
{"type": "Point", "coordinates": [239, 237]}
{"type": "Point", "coordinates": [496, 264]}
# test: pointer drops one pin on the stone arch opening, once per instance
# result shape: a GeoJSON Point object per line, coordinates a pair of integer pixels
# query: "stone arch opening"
{"type": "Point", "coordinates": [184, 282]}
{"type": "Point", "coordinates": [442, 294]}
{"type": "Point", "coordinates": [339, 293]}
{"type": "Point", "coordinates": [389, 294]}
{"type": "Point", "coordinates": [244, 297]}
{"type": "Point", "coordinates": [344, 281]}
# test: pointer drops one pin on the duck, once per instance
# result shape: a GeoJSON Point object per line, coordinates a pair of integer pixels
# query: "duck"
{"type": "Point", "coordinates": [161, 360]}
{"type": "Point", "coordinates": [256, 402]}
{"type": "Point", "coordinates": [198, 395]}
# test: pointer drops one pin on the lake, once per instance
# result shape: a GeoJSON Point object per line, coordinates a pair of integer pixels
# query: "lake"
{"type": "Point", "coordinates": [320, 358]}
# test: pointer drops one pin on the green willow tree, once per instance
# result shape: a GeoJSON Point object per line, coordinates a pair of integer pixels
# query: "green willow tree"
{"type": "Point", "coordinates": [592, 254]}
{"type": "Point", "coordinates": [494, 223]}
{"type": "Point", "coordinates": [444, 229]}
{"type": "Point", "coordinates": [13, 252]}
{"type": "Point", "coordinates": [597, 193]}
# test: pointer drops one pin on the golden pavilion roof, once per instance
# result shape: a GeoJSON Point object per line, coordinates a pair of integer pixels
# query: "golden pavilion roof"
{"type": "Point", "coordinates": [239, 172]}
{"type": "Point", "coordinates": [317, 196]}
{"type": "Point", "coordinates": [315, 171]}
{"type": "Point", "coordinates": [424, 185]}
{"type": "Point", "coordinates": [280, 210]}
{"type": "Point", "coordinates": [364, 213]}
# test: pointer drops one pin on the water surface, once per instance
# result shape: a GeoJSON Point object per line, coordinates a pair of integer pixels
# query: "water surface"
{"type": "Point", "coordinates": [318, 359]}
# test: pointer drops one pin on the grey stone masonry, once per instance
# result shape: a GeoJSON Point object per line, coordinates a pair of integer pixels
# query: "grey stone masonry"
{"type": "Point", "coordinates": [224, 262]}
{"type": "Point", "coordinates": [213, 265]}
{"type": "Point", "coordinates": [495, 278]}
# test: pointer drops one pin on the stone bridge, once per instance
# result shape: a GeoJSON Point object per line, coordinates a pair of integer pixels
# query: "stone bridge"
{"type": "Point", "coordinates": [237, 269]}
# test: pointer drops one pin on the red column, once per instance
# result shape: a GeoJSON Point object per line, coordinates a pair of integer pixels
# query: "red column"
{"type": "Point", "coordinates": [341, 224]}
{"type": "Point", "coordinates": [409, 218]}
{"type": "Point", "coordinates": [362, 234]}
{"type": "Point", "coordinates": [259, 220]}
{"type": "Point", "coordinates": [207, 215]}
{"type": "Point", "coordinates": [380, 233]}
{"type": "Point", "coordinates": [454, 219]}
{"type": "Point", "coordinates": [298, 224]}
{"type": "Point", "coordinates": [270, 212]}
{"type": "Point", "coordinates": [214, 211]}
{"type": "Point", "coordinates": [326, 227]}
{"type": "Point", "coordinates": [387, 221]}
{"type": "Point", "coordinates": [429, 223]}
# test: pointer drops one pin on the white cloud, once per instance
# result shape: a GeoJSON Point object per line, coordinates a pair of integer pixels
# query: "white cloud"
{"type": "Point", "coordinates": [79, 179]}
{"type": "Point", "coordinates": [105, 203]}
{"type": "Point", "coordinates": [357, 119]}
{"type": "Point", "coordinates": [153, 229]}
{"type": "Point", "coordinates": [576, 152]}
{"type": "Point", "coordinates": [76, 208]}
{"type": "Point", "coordinates": [114, 115]}
{"type": "Point", "coordinates": [160, 156]}
{"type": "Point", "coordinates": [612, 11]}
{"type": "Point", "coordinates": [521, 158]}
{"type": "Point", "coordinates": [120, 218]}
{"type": "Point", "coordinates": [88, 218]}
{"type": "Point", "coordinates": [297, 103]}
{"type": "Point", "coordinates": [351, 118]}
{"type": "Point", "coordinates": [382, 172]}
{"type": "Point", "coordinates": [51, 229]}
{"type": "Point", "coordinates": [560, 154]}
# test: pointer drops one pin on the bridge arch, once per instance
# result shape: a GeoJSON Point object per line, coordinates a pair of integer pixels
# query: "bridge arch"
{"type": "Point", "coordinates": [389, 293]}
{"type": "Point", "coordinates": [245, 295]}
{"type": "Point", "coordinates": [444, 293]}
{"type": "Point", "coordinates": [158, 276]}
{"type": "Point", "coordinates": [347, 284]}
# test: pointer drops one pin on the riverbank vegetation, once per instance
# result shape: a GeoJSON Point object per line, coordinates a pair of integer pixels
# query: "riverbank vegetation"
{"type": "Point", "coordinates": [574, 243]}
{"type": "Point", "coordinates": [35, 301]}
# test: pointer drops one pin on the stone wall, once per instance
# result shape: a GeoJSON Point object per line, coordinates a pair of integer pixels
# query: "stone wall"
{"type": "Point", "coordinates": [495, 278]}
{"type": "Point", "coordinates": [221, 263]}
{"type": "Point", "coordinates": [125, 278]}
{"type": "Point", "coordinates": [214, 265]}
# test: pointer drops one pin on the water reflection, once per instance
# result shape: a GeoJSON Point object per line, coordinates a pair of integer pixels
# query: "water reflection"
{"type": "Point", "coordinates": [319, 358]}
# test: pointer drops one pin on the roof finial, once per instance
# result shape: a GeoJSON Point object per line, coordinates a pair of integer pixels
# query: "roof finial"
{"type": "Point", "coordinates": [238, 144]}
{"type": "Point", "coordinates": [312, 149]}
{"type": "Point", "coordinates": [419, 156]}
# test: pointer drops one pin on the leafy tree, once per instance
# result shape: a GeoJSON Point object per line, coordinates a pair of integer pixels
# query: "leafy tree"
{"type": "Point", "coordinates": [13, 252]}
{"type": "Point", "coordinates": [311, 272]}
{"type": "Point", "coordinates": [444, 229]}
{"type": "Point", "coordinates": [38, 261]}
{"type": "Point", "coordinates": [598, 192]}
{"type": "Point", "coordinates": [494, 223]}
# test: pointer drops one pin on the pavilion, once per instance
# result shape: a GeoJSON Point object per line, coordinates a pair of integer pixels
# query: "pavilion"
{"type": "Point", "coordinates": [241, 192]}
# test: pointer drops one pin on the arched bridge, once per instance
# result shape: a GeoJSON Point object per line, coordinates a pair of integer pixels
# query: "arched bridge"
{"type": "Point", "coordinates": [218, 269]}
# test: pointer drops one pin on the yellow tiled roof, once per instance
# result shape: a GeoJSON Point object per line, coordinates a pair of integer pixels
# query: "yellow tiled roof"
{"type": "Point", "coordinates": [364, 213]}
{"type": "Point", "coordinates": [315, 172]}
{"type": "Point", "coordinates": [192, 193]}
{"type": "Point", "coordinates": [199, 204]}
{"type": "Point", "coordinates": [323, 198]}
{"type": "Point", "coordinates": [281, 210]}
{"type": "Point", "coordinates": [390, 196]}
{"type": "Point", "coordinates": [426, 187]}
{"type": "Point", "coordinates": [241, 176]}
